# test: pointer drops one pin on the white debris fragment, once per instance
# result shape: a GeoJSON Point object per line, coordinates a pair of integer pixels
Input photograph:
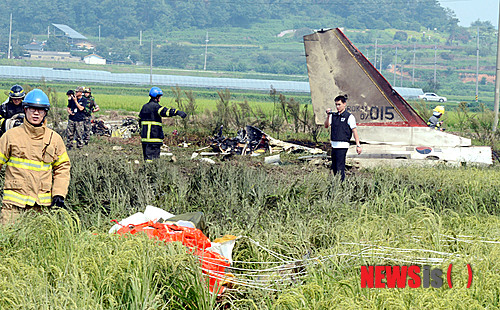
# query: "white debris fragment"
{"type": "Point", "coordinates": [274, 159]}
{"type": "Point", "coordinates": [207, 160]}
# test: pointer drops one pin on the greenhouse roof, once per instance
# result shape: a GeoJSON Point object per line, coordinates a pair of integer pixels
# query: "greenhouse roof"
{"type": "Point", "coordinates": [95, 76]}
{"type": "Point", "coordinates": [70, 32]}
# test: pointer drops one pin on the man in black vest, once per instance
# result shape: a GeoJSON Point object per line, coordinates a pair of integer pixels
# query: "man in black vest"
{"type": "Point", "coordinates": [343, 126]}
{"type": "Point", "coordinates": [150, 124]}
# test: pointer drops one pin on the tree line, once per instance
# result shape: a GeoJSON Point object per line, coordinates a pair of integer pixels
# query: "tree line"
{"type": "Point", "coordinates": [120, 18]}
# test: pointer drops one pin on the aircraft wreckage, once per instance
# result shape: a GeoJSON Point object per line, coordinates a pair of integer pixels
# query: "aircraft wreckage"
{"type": "Point", "coordinates": [387, 125]}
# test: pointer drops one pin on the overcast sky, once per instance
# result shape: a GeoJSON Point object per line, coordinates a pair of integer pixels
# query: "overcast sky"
{"type": "Point", "coordinates": [468, 11]}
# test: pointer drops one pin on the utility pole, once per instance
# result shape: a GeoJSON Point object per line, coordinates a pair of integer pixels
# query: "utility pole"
{"type": "Point", "coordinates": [395, 62]}
{"type": "Point", "coordinates": [497, 78]}
{"type": "Point", "coordinates": [477, 66]}
{"type": "Point", "coordinates": [435, 65]}
{"type": "Point", "coordinates": [151, 65]}
{"type": "Point", "coordinates": [140, 37]}
{"type": "Point", "coordinates": [380, 61]}
{"type": "Point", "coordinates": [375, 61]}
{"type": "Point", "coordinates": [9, 53]}
{"type": "Point", "coordinates": [206, 48]}
{"type": "Point", "coordinates": [48, 32]}
{"type": "Point", "coordinates": [413, 73]}
{"type": "Point", "coordinates": [99, 33]}
{"type": "Point", "coordinates": [402, 68]}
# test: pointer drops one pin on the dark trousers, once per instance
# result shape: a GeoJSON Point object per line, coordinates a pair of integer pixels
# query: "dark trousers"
{"type": "Point", "coordinates": [338, 162]}
{"type": "Point", "coordinates": [150, 151]}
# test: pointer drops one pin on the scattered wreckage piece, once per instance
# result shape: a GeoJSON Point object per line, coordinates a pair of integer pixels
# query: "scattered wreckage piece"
{"type": "Point", "coordinates": [252, 140]}
{"type": "Point", "coordinates": [121, 129]}
{"type": "Point", "coordinates": [207, 160]}
{"type": "Point", "coordinates": [273, 159]}
{"type": "Point", "coordinates": [291, 147]}
{"type": "Point", "coordinates": [99, 128]}
{"type": "Point", "coordinates": [127, 127]}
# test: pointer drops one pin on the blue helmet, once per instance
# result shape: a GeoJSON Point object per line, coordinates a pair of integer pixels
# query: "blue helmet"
{"type": "Point", "coordinates": [155, 92]}
{"type": "Point", "coordinates": [36, 99]}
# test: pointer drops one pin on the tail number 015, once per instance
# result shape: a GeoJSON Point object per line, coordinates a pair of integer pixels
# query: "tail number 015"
{"type": "Point", "coordinates": [378, 113]}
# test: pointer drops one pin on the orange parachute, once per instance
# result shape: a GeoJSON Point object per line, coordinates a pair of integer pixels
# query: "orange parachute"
{"type": "Point", "coordinates": [212, 263]}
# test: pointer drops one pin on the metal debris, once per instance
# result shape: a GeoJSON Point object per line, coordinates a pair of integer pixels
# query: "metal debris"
{"type": "Point", "coordinates": [274, 159]}
{"type": "Point", "coordinates": [127, 127]}
{"type": "Point", "coordinates": [251, 141]}
{"type": "Point", "coordinates": [99, 128]}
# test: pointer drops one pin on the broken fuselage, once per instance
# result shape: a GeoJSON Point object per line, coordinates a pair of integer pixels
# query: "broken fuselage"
{"type": "Point", "coordinates": [387, 125]}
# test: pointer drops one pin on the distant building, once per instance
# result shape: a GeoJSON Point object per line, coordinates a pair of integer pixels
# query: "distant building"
{"type": "Point", "coordinates": [72, 35]}
{"type": "Point", "coordinates": [94, 59]}
{"type": "Point", "coordinates": [85, 45]}
{"type": "Point", "coordinates": [33, 46]}
{"type": "Point", "coordinates": [53, 56]}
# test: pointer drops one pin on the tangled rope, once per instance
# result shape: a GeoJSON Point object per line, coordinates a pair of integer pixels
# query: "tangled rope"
{"type": "Point", "coordinates": [286, 270]}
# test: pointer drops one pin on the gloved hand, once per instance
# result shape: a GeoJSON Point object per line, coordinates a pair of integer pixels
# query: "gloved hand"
{"type": "Point", "coordinates": [181, 113]}
{"type": "Point", "coordinates": [58, 201]}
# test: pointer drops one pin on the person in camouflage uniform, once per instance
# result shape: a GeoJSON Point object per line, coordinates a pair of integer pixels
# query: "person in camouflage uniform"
{"type": "Point", "coordinates": [76, 107]}
{"type": "Point", "coordinates": [89, 109]}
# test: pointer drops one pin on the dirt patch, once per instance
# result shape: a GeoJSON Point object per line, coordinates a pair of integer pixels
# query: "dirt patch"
{"type": "Point", "coordinates": [471, 77]}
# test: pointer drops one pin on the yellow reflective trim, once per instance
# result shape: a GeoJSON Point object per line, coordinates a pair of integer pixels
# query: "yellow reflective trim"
{"type": "Point", "coordinates": [28, 164]}
{"type": "Point", "coordinates": [151, 140]}
{"type": "Point", "coordinates": [63, 158]}
{"type": "Point", "coordinates": [150, 123]}
{"type": "Point", "coordinates": [16, 197]}
{"type": "Point", "coordinates": [159, 110]}
{"type": "Point", "coordinates": [3, 159]}
{"type": "Point", "coordinates": [148, 131]}
{"type": "Point", "coordinates": [45, 198]}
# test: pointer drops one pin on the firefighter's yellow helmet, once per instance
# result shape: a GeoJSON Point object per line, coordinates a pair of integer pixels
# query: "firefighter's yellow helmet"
{"type": "Point", "coordinates": [439, 109]}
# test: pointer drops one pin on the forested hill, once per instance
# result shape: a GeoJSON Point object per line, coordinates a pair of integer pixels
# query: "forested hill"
{"type": "Point", "coordinates": [123, 18]}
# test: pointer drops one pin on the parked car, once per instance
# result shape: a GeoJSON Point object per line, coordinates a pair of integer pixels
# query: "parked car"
{"type": "Point", "coordinates": [432, 97]}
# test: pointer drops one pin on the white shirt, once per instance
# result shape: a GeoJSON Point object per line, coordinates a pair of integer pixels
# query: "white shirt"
{"type": "Point", "coordinates": [351, 121]}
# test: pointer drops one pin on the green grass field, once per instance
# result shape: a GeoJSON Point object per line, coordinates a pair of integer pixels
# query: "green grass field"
{"type": "Point", "coordinates": [383, 216]}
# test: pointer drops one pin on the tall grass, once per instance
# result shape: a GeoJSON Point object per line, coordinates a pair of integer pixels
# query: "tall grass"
{"type": "Point", "coordinates": [50, 262]}
{"type": "Point", "coordinates": [66, 260]}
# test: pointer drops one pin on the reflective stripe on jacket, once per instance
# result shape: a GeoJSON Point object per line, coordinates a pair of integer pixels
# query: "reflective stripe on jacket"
{"type": "Point", "coordinates": [37, 165]}
{"type": "Point", "coordinates": [433, 122]}
{"type": "Point", "coordinates": [150, 122]}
